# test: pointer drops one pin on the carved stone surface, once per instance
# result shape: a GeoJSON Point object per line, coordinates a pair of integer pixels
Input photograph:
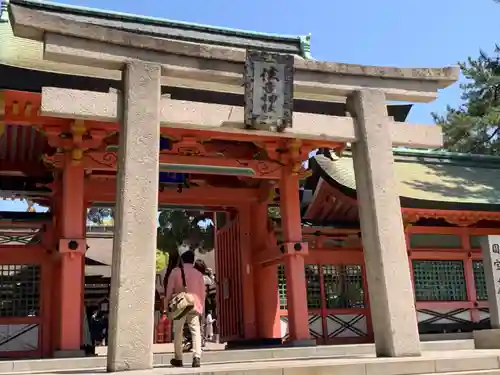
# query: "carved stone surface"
{"type": "Point", "coordinates": [268, 91]}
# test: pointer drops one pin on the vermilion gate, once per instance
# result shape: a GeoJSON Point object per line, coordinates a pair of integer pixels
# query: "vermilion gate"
{"type": "Point", "coordinates": [229, 287]}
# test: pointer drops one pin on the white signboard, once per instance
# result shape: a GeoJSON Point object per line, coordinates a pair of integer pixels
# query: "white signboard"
{"type": "Point", "coordinates": [491, 260]}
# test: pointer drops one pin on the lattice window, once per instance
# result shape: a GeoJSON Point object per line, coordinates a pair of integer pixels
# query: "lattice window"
{"type": "Point", "coordinates": [282, 287]}
{"type": "Point", "coordinates": [439, 280]}
{"type": "Point", "coordinates": [343, 286]}
{"type": "Point", "coordinates": [479, 280]}
{"type": "Point", "coordinates": [313, 285]}
{"type": "Point", "coordinates": [19, 290]}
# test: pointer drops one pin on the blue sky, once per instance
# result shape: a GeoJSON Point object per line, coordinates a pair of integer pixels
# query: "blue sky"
{"type": "Point", "coordinates": [405, 33]}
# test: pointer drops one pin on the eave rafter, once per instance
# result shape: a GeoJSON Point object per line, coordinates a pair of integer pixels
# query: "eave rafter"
{"type": "Point", "coordinates": [459, 218]}
{"type": "Point", "coordinates": [329, 202]}
{"type": "Point", "coordinates": [326, 198]}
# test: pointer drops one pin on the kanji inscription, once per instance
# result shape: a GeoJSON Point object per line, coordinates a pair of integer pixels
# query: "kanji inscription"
{"type": "Point", "coordinates": [268, 91]}
{"type": "Point", "coordinates": [491, 261]}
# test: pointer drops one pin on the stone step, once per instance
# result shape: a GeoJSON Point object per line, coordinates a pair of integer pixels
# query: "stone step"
{"type": "Point", "coordinates": [462, 362]}
{"type": "Point", "coordinates": [224, 356]}
{"type": "Point", "coordinates": [430, 363]}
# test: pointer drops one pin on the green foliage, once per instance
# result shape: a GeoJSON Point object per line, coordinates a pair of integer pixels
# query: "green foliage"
{"type": "Point", "coordinates": [161, 260]}
{"type": "Point", "coordinates": [274, 212]}
{"type": "Point", "coordinates": [474, 126]}
{"type": "Point", "coordinates": [97, 215]}
{"type": "Point", "coordinates": [176, 226]}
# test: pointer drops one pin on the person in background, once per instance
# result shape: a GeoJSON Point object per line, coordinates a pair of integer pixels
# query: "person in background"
{"type": "Point", "coordinates": [196, 287]}
{"type": "Point", "coordinates": [201, 266]}
{"type": "Point", "coordinates": [209, 327]}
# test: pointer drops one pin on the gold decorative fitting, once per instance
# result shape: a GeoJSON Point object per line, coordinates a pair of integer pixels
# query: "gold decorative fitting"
{"type": "Point", "coordinates": [272, 194]}
{"type": "Point", "coordinates": [407, 224]}
{"type": "Point", "coordinates": [27, 109]}
{"type": "Point", "coordinates": [77, 155]}
{"type": "Point", "coordinates": [295, 146]}
{"type": "Point", "coordinates": [296, 168]}
{"type": "Point", "coordinates": [2, 104]}
{"type": "Point", "coordinates": [304, 173]}
{"type": "Point", "coordinates": [78, 128]}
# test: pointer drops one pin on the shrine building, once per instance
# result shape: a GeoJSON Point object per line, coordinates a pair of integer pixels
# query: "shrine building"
{"type": "Point", "coordinates": [85, 93]}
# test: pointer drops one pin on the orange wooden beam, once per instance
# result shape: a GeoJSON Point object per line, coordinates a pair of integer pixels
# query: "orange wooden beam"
{"type": "Point", "coordinates": [23, 108]}
{"type": "Point", "coordinates": [102, 190]}
{"type": "Point", "coordinates": [107, 161]}
{"type": "Point", "coordinates": [460, 218]}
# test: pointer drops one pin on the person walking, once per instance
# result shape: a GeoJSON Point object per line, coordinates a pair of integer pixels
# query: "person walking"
{"type": "Point", "coordinates": [196, 287]}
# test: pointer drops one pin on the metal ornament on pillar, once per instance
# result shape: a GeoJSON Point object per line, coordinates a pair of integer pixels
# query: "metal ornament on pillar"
{"type": "Point", "coordinates": [268, 81]}
{"type": "Point", "coordinates": [71, 245]}
{"type": "Point", "coordinates": [291, 248]}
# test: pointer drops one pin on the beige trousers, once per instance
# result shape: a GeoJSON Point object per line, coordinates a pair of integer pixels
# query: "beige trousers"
{"type": "Point", "coordinates": [193, 322]}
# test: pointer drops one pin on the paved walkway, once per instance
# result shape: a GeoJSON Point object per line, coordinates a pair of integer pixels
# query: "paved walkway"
{"type": "Point", "coordinates": [460, 362]}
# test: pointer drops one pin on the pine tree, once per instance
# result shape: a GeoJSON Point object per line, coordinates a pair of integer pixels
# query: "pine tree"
{"type": "Point", "coordinates": [474, 126]}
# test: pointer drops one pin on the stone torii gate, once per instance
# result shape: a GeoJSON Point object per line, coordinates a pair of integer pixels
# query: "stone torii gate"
{"type": "Point", "coordinates": [145, 62]}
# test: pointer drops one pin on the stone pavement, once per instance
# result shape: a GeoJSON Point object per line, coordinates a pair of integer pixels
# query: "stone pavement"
{"type": "Point", "coordinates": [224, 357]}
{"type": "Point", "coordinates": [455, 362]}
{"type": "Point", "coordinates": [165, 348]}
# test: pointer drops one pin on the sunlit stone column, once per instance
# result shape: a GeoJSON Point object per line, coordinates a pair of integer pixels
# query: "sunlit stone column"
{"type": "Point", "coordinates": [130, 344]}
{"type": "Point", "coordinates": [388, 274]}
{"type": "Point", "coordinates": [490, 338]}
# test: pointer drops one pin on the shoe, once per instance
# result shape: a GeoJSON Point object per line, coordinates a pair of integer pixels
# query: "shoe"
{"type": "Point", "coordinates": [176, 362]}
{"type": "Point", "coordinates": [196, 362]}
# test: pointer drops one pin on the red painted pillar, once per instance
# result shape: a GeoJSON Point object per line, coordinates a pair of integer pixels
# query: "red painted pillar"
{"type": "Point", "coordinates": [294, 252]}
{"type": "Point", "coordinates": [55, 279]}
{"type": "Point", "coordinates": [72, 249]}
{"type": "Point", "coordinates": [266, 278]}
{"type": "Point", "coordinates": [247, 273]}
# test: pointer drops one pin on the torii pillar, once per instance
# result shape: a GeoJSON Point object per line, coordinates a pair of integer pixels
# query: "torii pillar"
{"type": "Point", "coordinates": [130, 344]}
{"type": "Point", "coordinates": [384, 247]}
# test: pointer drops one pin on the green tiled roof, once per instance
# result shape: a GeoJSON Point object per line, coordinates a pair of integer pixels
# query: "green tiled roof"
{"type": "Point", "coordinates": [25, 53]}
{"type": "Point", "coordinates": [28, 54]}
{"type": "Point", "coordinates": [429, 176]}
{"type": "Point", "coordinates": [164, 28]}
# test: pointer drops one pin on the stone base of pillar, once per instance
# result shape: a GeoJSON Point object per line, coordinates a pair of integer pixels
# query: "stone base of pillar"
{"type": "Point", "coordinates": [255, 343]}
{"type": "Point", "coordinates": [269, 343]}
{"type": "Point", "coordinates": [487, 339]}
{"type": "Point", "coordinates": [69, 354]}
{"type": "Point", "coordinates": [299, 343]}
